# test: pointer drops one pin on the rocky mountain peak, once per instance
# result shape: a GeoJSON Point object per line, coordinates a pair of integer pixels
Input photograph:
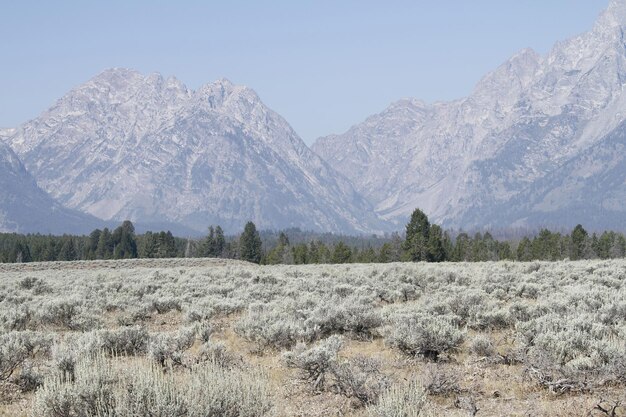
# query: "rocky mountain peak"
{"type": "Point", "coordinates": [130, 146]}
{"type": "Point", "coordinates": [614, 15]}
{"type": "Point", "coordinates": [522, 121]}
{"type": "Point", "coordinates": [223, 93]}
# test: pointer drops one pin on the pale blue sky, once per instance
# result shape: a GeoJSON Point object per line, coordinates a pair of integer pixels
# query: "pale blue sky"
{"type": "Point", "coordinates": [324, 65]}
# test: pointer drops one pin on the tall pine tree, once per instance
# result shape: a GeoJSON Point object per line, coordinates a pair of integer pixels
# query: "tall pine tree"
{"type": "Point", "coordinates": [417, 233]}
{"type": "Point", "coordinates": [250, 244]}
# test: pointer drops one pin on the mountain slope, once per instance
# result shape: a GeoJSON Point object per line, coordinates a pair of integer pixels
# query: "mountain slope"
{"type": "Point", "coordinates": [459, 160]}
{"type": "Point", "coordinates": [129, 146]}
{"type": "Point", "coordinates": [590, 188]}
{"type": "Point", "coordinates": [25, 208]}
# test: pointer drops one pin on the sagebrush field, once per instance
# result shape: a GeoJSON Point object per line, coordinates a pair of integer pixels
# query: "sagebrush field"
{"type": "Point", "coordinates": [200, 337]}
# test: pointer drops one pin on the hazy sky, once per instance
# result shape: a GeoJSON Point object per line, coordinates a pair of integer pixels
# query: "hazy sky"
{"type": "Point", "coordinates": [323, 65]}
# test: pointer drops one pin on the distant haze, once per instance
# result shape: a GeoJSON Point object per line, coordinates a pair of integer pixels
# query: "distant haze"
{"type": "Point", "coordinates": [323, 65]}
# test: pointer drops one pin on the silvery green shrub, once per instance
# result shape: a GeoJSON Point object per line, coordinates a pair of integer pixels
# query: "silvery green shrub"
{"type": "Point", "coordinates": [316, 361]}
{"type": "Point", "coordinates": [422, 334]}
{"type": "Point", "coordinates": [103, 387]}
{"type": "Point", "coordinates": [400, 400]}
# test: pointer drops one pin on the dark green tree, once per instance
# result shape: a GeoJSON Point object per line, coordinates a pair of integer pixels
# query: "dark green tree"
{"type": "Point", "coordinates": [366, 256]}
{"type": "Point", "coordinates": [341, 253]}
{"type": "Point", "coordinates": [417, 232]}
{"type": "Point", "coordinates": [462, 248]}
{"type": "Point", "coordinates": [579, 243]}
{"type": "Point", "coordinates": [524, 250]}
{"type": "Point", "coordinates": [504, 251]}
{"type": "Point", "coordinates": [20, 252]}
{"type": "Point", "coordinates": [92, 245]}
{"type": "Point", "coordinates": [209, 244]}
{"type": "Point", "coordinates": [281, 254]}
{"type": "Point", "coordinates": [68, 250]}
{"type": "Point", "coordinates": [125, 242]}
{"type": "Point", "coordinates": [147, 245]}
{"type": "Point", "coordinates": [300, 254]}
{"type": "Point", "coordinates": [250, 244]}
{"type": "Point", "coordinates": [436, 251]}
{"type": "Point", "coordinates": [105, 245]}
{"type": "Point", "coordinates": [618, 248]}
{"type": "Point", "coordinates": [166, 245]}
{"type": "Point", "coordinates": [220, 242]}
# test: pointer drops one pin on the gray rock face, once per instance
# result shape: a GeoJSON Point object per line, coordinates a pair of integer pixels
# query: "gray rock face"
{"type": "Point", "coordinates": [517, 132]}
{"type": "Point", "coordinates": [25, 208]}
{"type": "Point", "coordinates": [590, 188]}
{"type": "Point", "coordinates": [129, 146]}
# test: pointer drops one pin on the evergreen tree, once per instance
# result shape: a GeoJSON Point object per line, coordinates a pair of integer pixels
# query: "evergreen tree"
{"type": "Point", "coordinates": [209, 244]}
{"type": "Point", "coordinates": [166, 245]}
{"type": "Point", "coordinates": [220, 242]}
{"type": "Point", "coordinates": [250, 244]}
{"type": "Point", "coordinates": [323, 253]}
{"type": "Point", "coordinates": [479, 250]}
{"type": "Point", "coordinates": [490, 246]}
{"type": "Point", "coordinates": [462, 246]}
{"type": "Point", "coordinates": [366, 256]}
{"type": "Point", "coordinates": [20, 252]}
{"type": "Point", "coordinates": [416, 242]}
{"type": "Point", "coordinates": [92, 246]}
{"type": "Point", "coordinates": [579, 243]}
{"type": "Point", "coordinates": [147, 245]}
{"type": "Point", "coordinates": [604, 244]}
{"type": "Point", "coordinates": [341, 253]}
{"type": "Point", "coordinates": [51, 250]}
{"type": "Point", "coordinates": [618, 248]}
{"type": "Point", "coordinates": [105, 245]}
{"type": "Point", "coordinates": [281, 254]}
{"type": "Point", "coordinates": [300, 254]}
{"type": "Point", "coordinates": [447, 246]}
{"type": "Point", "coordinates": [524, 250]}
{"type": "Point", "coordinates": [436, 250]}
{"type": "Point", "coordinates": [384, 255]}
{"type": "Point", "coordinates": [504, 251]}
{"type": "Point", "coordinates": [314, 254]}
{"type": "Point", "coordinates": [396, 251]}
{"type": "Point", "coordinates": [125, 242]}
{"type": "Point", "coordinates": [68, 250]}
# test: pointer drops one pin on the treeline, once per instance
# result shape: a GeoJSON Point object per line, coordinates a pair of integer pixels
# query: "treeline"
{"type": "Point", "coordinates": [422, 241]}
{"type": "Point", "coordinates": [121, 243]}
{"type": "Point", "coordinates": [426, 242]}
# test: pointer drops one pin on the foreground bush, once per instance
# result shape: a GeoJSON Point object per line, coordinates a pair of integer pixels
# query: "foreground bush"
{"type": "Point", "coordinates": [422, 334]}
{"type": "Point", "coordinates": [17, 347]}
{"type": "Point", "coordinates": [359, 378]}
{"type": "Point", "coordinates": [102, 387]}
{"type": "Point", "coordinates": [315, 362]}
{"type": "Point", "coordinates": [400, 400]}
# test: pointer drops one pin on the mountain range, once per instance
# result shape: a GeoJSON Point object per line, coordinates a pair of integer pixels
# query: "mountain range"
{"type": "Point", "coordinates": [531, 146]}
{"type": "Point", "coordinates": [539, 142]}
{"type": "Point", "coordinates": [130, 146]}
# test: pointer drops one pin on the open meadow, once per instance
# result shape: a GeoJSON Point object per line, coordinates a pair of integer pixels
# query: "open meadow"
{"type": "Point", "coordinates": [210, 337]}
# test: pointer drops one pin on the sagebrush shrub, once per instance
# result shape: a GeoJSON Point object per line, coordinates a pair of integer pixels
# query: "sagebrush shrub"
{"type": "Point", "coordinates": [440, 380]}
{"type": "Point", "coordinates": [168, 348]}
{"type": "Point", "coordinates": [400, 400]}
{"type": "Point", "coordinates": [315, 362]}
{"type": "Point", "coordinates": [359, 378]}
{"type": "Point", "coordinates": [481, 345]}
{"type": "Point", "coordinates": [420, 334]}
{"type": "Point", "coordinates": [128, 341]}
{"type": "Point", "coordinates": [17, 347]}
{"type": "Point", "coordinates": [104, 387]}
